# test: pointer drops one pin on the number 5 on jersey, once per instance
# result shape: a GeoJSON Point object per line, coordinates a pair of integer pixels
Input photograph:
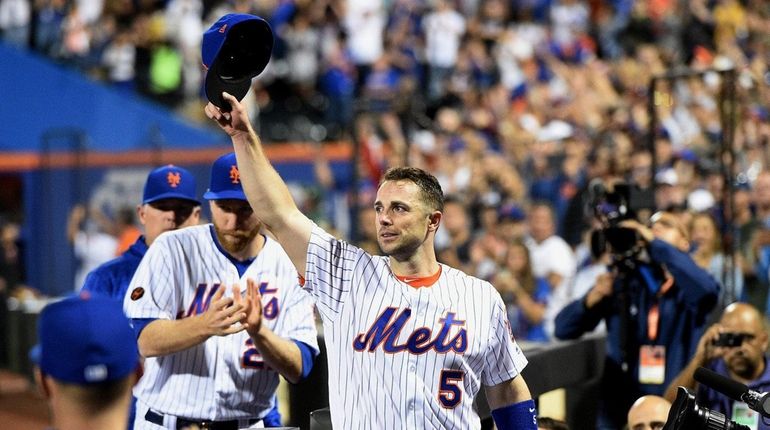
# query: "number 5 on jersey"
{"type": "Point", "coordinates": [449, 393]}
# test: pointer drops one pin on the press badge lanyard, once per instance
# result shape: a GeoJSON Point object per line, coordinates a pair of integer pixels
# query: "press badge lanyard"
{"type": "Point", "coordinates": [653, 315]}
{"type": "Point", "coordinates": [652, 358]}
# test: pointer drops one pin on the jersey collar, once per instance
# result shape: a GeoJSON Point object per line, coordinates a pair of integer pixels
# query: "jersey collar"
{"type": "Point", "coordinates": [418, 282]}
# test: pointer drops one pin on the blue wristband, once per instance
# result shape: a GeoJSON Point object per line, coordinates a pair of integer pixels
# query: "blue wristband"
{"type": "Point", "coordinates": [518, 416]}
{"type": "Point", "coordinates": [308, 357]}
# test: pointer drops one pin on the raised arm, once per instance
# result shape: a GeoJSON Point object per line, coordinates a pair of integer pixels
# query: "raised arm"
{"type": "Point", "coordinates": [704, 354]}
{"type": "Point", "coordinates": [266, 191]}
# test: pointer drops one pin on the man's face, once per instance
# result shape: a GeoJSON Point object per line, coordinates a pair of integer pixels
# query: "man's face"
{"type": "Point", "coordinates": [649, 414]}
{"type": "Point", "coordinates": [403, 221]}
{"type": "Point", "coordinates": [456, 219]}
{"type": "Point", "coordinates": [235, 223]}
{"type": "Point", "coordinates": [167, 214]}
{"type": "Point", "coordinates": [746, 359]}
{"type": "Point", "coordinates": [541, 225]}
{"type": "Point", "coordinates": [668, 229]}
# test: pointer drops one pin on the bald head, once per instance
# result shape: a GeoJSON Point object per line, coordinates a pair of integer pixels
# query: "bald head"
{"type": "Point", "coordinates": [648, 412]}
{"type": "Point", "coordinates": [742, 315]}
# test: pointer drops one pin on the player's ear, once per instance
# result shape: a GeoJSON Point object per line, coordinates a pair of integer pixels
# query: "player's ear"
{"type": "Point", "coordinates": [140, 213]}
{"type": "Point", "coordinates": [434, 220]}
{"type": "Point", "coordinates": [195, 217]}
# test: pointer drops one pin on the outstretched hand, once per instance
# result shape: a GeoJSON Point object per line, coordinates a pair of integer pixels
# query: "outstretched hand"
{"type": "Point", "coordinates": [252, 305]}
{"type": "Point", "coordinates": [223, 314]}
{"type": "Point", "coordinates": [234, 122]}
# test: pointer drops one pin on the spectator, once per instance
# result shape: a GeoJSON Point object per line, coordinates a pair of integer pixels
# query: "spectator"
{"type": "Point", "coordinates": [454, 238]}
{"type": "Point", "coordinates": [119, 58]}
{"type": "Point", "coordinates": [87, 232]}
{"type": "Point", "coordinates": [525, 295]}
{"type": "Point", "coordinates": [364, 21]}
{"type": "Point", "coordinates": [303, 45]}
{"type": "Point", "coordinates": [707, 253]}
{"type": "Point", "coordinates": [14, 21]}
{"type": "Point", "coordinates": [552, 258]}
{"type": "Point", "coordinates": [125, 229]}
{"type": "Point", "coordinates": [735, 347]}
{"type": "Point", "coordinates": [443, 27]}
{"type": "Point", "coordinates": [586, 277]}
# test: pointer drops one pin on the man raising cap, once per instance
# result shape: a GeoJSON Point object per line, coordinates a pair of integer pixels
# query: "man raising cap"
{"type": "Point", "coordinates": [86, 362]}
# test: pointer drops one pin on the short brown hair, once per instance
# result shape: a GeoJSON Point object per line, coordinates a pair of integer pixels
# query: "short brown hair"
{"type": "Point", "coordinates": [432, 194]}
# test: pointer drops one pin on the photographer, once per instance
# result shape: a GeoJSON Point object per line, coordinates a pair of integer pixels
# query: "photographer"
{"type": "Point", "coordinates": [654, 305]}
{"type": "Point", "coordinates": [734, 347]}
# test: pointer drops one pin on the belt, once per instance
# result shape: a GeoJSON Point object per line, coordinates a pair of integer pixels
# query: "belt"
{"type": "Point", "coordinates": [184, 423]}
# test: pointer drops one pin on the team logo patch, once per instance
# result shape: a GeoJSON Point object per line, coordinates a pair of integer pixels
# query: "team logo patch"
{"type": "Point", "coordinates": [137, 293]}
{"type": "Point", "coordinates": [173, 179]}
{"type": "Point", "coordinates": [235, 175]}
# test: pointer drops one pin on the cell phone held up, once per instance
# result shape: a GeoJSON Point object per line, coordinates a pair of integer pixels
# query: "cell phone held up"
{"type": "Point", "coordinates": [729, 340]}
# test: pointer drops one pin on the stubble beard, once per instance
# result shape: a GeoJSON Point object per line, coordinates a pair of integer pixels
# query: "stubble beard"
{"type": "Point", "coordinates": [237, 241]}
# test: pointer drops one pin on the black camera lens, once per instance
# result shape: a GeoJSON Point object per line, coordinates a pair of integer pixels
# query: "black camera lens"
{"type": "Point", "coordinates": [686, 414]}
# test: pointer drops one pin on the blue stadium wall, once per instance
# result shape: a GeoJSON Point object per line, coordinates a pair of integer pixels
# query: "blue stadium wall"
{"type": "Point", "coordinates": [73, 140]}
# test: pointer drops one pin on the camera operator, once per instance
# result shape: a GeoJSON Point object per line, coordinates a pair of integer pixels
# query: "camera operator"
{"type": "Point", "coordinates": [733, 347]}
{"type": "Point", "coordinates": [654, 307]}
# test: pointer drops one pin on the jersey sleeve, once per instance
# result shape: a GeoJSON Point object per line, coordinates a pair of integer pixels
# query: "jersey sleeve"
{"type": "Point", "coordinates": [329, 271]}
{"type": "Point", "coordinates": [152, 292]}
{"type": "Point", "coordinates": [299, 318]}
{"type": "Point", "coordinates": [504, 357]}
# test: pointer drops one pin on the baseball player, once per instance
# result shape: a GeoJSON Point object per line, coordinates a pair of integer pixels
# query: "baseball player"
{"type": "Point", "coordinates": [218, 315]}
{"type": "Point", "coordinates": [86, 362]}
{"type": "Point", "coordinates": [168, 203]}
{"type": "Point", "coordinates": [410, 341]}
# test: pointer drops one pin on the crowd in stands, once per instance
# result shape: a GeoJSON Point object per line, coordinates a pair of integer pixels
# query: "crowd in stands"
{"type": "Point", "coordinates": [516, 106]}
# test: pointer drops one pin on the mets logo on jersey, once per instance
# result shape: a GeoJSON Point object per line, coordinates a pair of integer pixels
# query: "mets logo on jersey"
{"type": "Point", "coordinates": [385, 332]}
{"type": "Point", "coordinates": [204, 292]}
{"type": "Point", "coordinates": [173, 179]}
{"type": "Point", "coordinates": [137, 293]}
{"type": "Point", "coordinates": [235, 175]}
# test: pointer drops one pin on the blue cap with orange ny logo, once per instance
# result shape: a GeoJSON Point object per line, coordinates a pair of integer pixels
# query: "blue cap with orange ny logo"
{"type": "Point", "coordinates": [225, 180]}
{"type": "Point", "coordinates": [169, 182]}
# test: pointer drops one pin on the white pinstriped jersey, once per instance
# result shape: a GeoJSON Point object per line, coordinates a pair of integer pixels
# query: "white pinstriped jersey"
{"type": "Point", "coordinates": [222, 378]}
{"type": "Point", "coordinates": [402, 357]}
